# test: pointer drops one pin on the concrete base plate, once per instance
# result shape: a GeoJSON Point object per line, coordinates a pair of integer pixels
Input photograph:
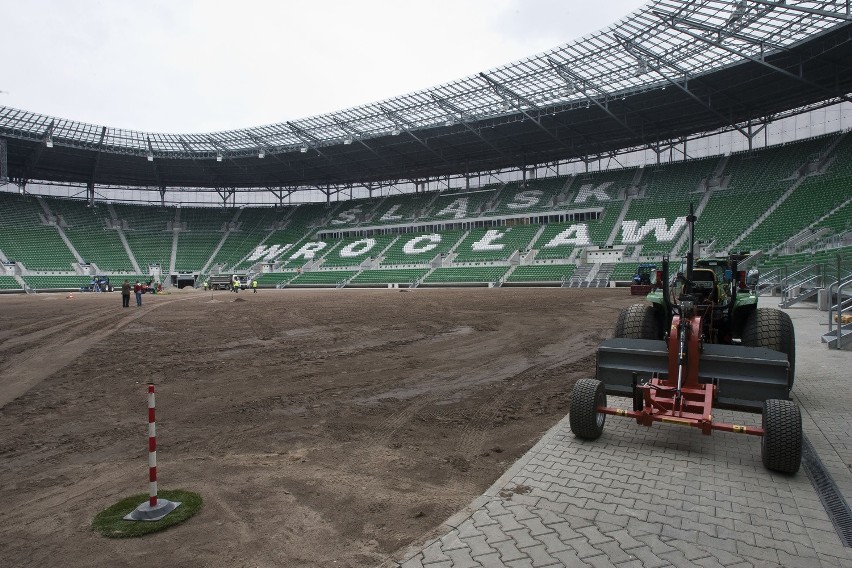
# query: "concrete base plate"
{"type": "Point", "coordinates": [145, 512]}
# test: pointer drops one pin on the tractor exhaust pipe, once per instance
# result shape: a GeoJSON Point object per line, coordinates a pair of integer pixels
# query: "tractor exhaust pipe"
{"type": "Point", "coordinates": [690, 254]}
{"type": "Point", "coordinates": [667, 301]}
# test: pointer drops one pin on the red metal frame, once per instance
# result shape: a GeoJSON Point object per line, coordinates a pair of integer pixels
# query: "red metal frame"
{"type": "Point", "coordinates": [694, 406]}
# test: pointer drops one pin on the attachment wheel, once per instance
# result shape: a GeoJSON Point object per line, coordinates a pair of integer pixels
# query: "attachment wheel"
{"type": "Point", "coordinates": [781, 446]}
{"type": "Point", "coordinates": [586, 422]}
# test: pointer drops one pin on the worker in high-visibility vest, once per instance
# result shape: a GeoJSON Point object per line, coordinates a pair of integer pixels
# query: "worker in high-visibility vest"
{"type": "Point", "coordinates": [254, 286]}
{"type": "Point", "coordinates": [236, 285]}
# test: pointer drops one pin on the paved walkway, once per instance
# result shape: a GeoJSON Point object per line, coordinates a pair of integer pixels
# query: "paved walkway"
{"type": "Point", "coordinates": [665, 495]}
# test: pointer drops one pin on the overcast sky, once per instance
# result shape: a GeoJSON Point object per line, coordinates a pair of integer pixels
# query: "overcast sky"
{"type": "Point", "coordinates": [205, 65]}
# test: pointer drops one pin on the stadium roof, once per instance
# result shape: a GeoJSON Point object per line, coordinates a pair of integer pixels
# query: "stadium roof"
{"type": "Point", "coordinates": [668, 70]}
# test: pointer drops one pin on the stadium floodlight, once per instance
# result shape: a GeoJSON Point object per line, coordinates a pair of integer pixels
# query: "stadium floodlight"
{"type": "Point", "coordinates": [48, 142]}
{"type": "Point", "coordinates": [303, 149]}
{"type": "Point", "coordinates": [347, 140]}
{"type": "Point", "coordinates": [218, 156]}
{"type": "Point", "coordinates": [150, 156]}
{"type": "Point", "coordinates": [395, 132]}
{"type": "Point", "coordinates": [450, 122]}
{"type": "Point", "coordinates": [261, 154]}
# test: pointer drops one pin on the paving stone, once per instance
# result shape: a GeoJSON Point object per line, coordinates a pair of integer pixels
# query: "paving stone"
{"type": "Point", "coordinates": [690, 536]}
{"type": "Point", "coordinates": [493, 533]}
{"type": "Point", "coordinates": [441, 564]}
{"type": "Point", "coordinates": [570, 559]}
{"type": "Point", "coordinates": [582, 547]}
{"type": "Point", "coordinates": [433, 553]}
{"type": "Point", "coordinates": [461, 558]}
{"type": "Point", "coordinates": [600, 561]}
{"type": "Point", "coordinates": [677, 558]}
{"type": "Point", "coordinates": [638, 527]}
{"type": "Point", "coordinates": [689, 550]}
{"type": "Point", "coordinates": [508, 551]}
{"type": "Point", "coordinates": [539, 556]}
{"type": "Point", "coordinates": [478, 545]}
{"type": "Point", "coordinates": [508, 522]}
{"type": "Point", "coordinates": [536, 526]}
{"type": "Point", "coordinates": [795, 560]}
{"type": "Point", "coordinates": [624, 540]}
{"type": "Point", "coordinates": [552, 543]}
{"type": "Point", "coordinates": [481, 518]}
{"type": "Point", "coordinates": [413, 562]}
{"type": "Point", "coordinates": [705, 539]}
{"type": "Point", "coordinates": [522, 538]}
{"type": "Point", "coordinates": [757, 552]}
{"type": "Point", "coordinates": [467, 529]}
{"type": "Point", "coordinates": [451, 541]}
{"type": "Point", "coordinates": [594, 535]}
{"type": "Point", "coordinates": [566, 531]}
{"type": "Point", "coordinates": [614, 552]}
{"type": "Point", "coordinates": [654, 542]}
{"type": "Point", "coordinates": [489, 560]}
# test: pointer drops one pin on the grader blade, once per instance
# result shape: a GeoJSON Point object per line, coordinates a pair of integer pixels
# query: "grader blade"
{"type": "Point", "coordinates": [745, 376]}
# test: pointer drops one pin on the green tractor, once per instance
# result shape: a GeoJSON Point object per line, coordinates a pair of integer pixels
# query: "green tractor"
{"type": "Point", "coordinates": [725, 298]}
{"type": "Point", "coordinates": [699, 343]}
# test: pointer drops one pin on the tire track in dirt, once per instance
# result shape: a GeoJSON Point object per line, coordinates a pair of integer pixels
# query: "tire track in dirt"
{"type": "Point", "coordinates": [390, 426]}
{"type": "Point", "coordinates": [87, 481]}
{"type": "Point", "coordinates": [52, 329]}
{"type": "Point", "coordinates": [24, 371]}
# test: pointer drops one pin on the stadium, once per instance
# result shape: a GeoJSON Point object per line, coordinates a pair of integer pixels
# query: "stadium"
{"type": "Point", "coordinates": [513, 207]}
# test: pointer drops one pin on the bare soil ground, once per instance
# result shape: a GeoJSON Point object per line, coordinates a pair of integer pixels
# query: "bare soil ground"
{"type": "Point", "coordinates": [322, 428]}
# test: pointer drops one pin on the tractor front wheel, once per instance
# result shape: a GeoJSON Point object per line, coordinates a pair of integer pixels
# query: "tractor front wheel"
{"type": "Point", "coordinates": [773, 329]}
{"type": "Point", "coordinates": [586, 422]}
{"type": "Point", "coordinates": [781, 447]}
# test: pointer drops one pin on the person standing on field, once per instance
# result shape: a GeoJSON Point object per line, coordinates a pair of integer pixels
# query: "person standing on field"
{"type": "Point", "coordinates": [125, 294]}
{"type": "Point", "coordinates": [137, 289]}
{"type": "Point", "coordinates": [254, 286]}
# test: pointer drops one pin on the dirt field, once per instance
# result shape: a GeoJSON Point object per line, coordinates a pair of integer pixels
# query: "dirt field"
{"type": "Point", "coordinates": [322, 428]}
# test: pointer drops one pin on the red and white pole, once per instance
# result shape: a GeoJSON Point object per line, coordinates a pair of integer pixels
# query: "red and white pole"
{"type": "Point", "coordinates": [153, 509]}
{"type": "Point", "coordinates": [152, 449]}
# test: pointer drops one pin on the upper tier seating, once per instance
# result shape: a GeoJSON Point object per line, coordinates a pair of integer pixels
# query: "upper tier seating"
{"type": "Point", "coordinates": [538, 195]}
{"type": "Point", "coordinates": [452, 205]}
{"type": "Point", "coordinates": [148, 232]}
{"type": "Point", "coordinates": [86, 228]}
{"type": "Point", "coordinates": [815, 197]}
{"type": "Point", "coordinates": [399, 209]}
{"type": "Point", "coordinates": [757, 180]}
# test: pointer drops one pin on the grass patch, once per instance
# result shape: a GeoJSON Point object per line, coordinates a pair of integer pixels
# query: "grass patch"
{"type": "Point", "coordinates": [110, 522]}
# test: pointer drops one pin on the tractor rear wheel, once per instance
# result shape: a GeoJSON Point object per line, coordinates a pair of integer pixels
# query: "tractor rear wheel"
{"type": "Point", "coordinates": [638, 321]}
{"type": "Point", "coordinates": [586, 422]}
{"type": "Point", "coordinates": [781, 447]}
{"type": "Point", "coordinates": [773, 329]}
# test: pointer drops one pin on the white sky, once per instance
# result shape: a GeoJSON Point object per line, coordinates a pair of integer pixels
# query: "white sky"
{"type": "Point", "coordinates": [186, 66]}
